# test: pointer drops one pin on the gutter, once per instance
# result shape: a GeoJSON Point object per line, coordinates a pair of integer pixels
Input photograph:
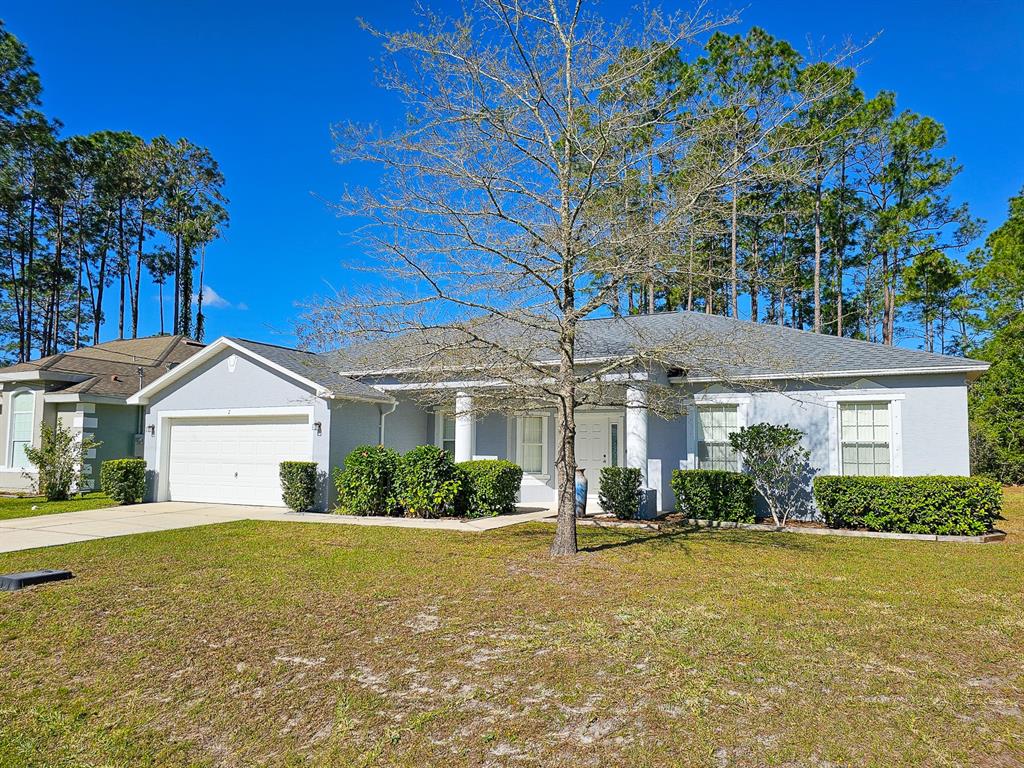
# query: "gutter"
{"type": "Point", "coordinates": [383, 413]}
{"type": "Point", "coordinates": [796, 375]}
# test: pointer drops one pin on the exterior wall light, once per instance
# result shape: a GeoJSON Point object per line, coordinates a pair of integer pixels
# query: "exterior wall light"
{"type": "Point", "coordinates": [318, 427]}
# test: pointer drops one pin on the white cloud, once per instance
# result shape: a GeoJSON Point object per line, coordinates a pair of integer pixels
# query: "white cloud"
{"type": "Point", "coordinates": [213, 300]}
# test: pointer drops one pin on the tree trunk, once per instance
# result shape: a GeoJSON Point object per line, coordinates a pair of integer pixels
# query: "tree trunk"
{"type": "Point", "coordinates": [27, 276]}
{"type": "Point", "coordinates": [565, 471]}
{"type": "Point", "coordinates": [138, 270]}
{"type": "Point", "coordinates": [689, 277]}
{"type": "Point", "coordinates": [122, 266]}
{"type": "Point", "coordinates": [817, 251]}
{"type": "Point", "coordinates": [735, 295]}
{"type": "Point", "coordinates": [177, 283]}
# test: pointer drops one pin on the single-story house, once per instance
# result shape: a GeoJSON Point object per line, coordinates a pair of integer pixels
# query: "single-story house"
{"type": "Point", "coordinates": [217, 426]}
{"type": "Point", "coordinates": [86, 390]}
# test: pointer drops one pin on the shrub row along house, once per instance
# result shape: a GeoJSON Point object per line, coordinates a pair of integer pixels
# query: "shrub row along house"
{"type": "Point", "coordinates": [216, 422]}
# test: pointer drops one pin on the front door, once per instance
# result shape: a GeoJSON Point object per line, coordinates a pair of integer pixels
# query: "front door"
{"type": "Point", "coordinates": [598, 438]}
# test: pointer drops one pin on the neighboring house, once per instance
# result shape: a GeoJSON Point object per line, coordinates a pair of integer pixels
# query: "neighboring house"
{"type": "Point", "coordinates": [218, 425]}
{"type": "Point", "coordinates": [86, 390]}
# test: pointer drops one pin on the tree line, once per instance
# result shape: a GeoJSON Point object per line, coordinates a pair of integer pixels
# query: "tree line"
{"type": "Point", "coordinates": [82, 217]}
{"type": "Point", "coordinates": [839, 219]}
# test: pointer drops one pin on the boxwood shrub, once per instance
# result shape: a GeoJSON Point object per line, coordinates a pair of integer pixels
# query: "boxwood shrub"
{"type": "Point", "coordinates": [490, 487]}
{"type": "Point", "coordinates": [710, 494]}
{"type": "Point", "coordinates": [428, 484]}
{"type": "Point", "coordinates": [298, 485]}
{"type": "Point", "coordinates": [965, 506]}
{"type": "Point", "coordinates": [124, 480]}
{"type": "Point", "coordinates": [366, 486]}
{"type": "Point", "coordinates": [620, 491]}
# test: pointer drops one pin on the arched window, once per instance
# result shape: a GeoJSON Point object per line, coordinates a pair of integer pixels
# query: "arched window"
{"type": "Point", "coordinates": [23, 405]}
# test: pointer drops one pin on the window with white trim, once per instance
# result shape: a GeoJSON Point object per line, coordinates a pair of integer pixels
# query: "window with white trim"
{"type": "Point", "coordinates": [714, 425]}
{"type": "Point", "coordinates": [531, 444]}
{"type": "Point", "coordinates": [865, 446]}
{"type": "Point", "coordinates": [446, 432]}
{"type": "Point", "coordinates": [22, 417]}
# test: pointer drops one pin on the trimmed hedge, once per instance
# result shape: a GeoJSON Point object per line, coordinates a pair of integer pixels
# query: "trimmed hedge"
{"type": "Point", "coordinates": [298, 485]}
{"type": "Point", "coordinates": [124, 480]}
{"type": "Point", "coordinates": [620, 491]}
{"type": "Point", "coordinates": [490, 487]}
{"type": "Point", "coordinates": [367, 484]}
{"type": "Point", "coordinates": [711, 494]}
{"type": "Point", "coordinates": [428, 484]}
{"type": "Point", "coordinates": [964, 506]}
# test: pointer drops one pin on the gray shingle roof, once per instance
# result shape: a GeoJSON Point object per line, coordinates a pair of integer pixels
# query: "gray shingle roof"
{"type": "Point", "coordinates": [703, 346]}
{"type": "Point", "coordinates": [315, 368]}
{"type": "Point", "coordinates": [712, 345]}
{"type": "Point", "coordinates": [111, 369]}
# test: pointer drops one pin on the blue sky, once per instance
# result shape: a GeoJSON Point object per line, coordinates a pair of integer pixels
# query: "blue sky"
{"type": "Point", "coordinates": [260, 83]}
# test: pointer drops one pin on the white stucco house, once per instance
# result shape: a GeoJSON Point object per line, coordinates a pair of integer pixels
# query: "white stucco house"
{"type": "Point", "coordinates": [217, 425]}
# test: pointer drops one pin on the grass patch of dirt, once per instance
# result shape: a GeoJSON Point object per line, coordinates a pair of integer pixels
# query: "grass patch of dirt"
{"type": "Point", "coordinates": [278, 644]}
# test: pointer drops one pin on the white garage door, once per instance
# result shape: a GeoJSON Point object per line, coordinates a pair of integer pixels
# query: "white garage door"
{"type": "Point", "coordinates": [234, 460]}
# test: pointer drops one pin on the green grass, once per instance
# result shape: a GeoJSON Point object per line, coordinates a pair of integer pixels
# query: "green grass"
{"type": "Point", "coordinates": [280, 644]}
{"type": "Point", "coordinates": [22, 506]}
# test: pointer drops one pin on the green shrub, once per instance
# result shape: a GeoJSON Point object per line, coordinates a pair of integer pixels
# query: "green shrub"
{"type": "Point", "coordinates": [428, 484]}
{"type": "Point", "coordinates": [59, 461]}
{"type": "Point", "coordinates": [709, 494]}
{"type": "Point", "coordinates": [490, 487]}
{"type": "Point", "coordinates": [620, 491]}
{"type": "Point", "coordinates": [298, 485]}
{"type": "Point", "coordinates": [124, 480]}
{"type": "Point", "coordinates": [367, 484]}
{"type": "Point", "coordinates": [965, 506]}
{"type": "Point", "coordinates": [778, 465]}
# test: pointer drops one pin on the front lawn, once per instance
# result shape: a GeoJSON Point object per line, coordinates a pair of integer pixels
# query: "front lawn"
{"type": "Point", "coordinates": [30, 506]}
{"type": "Point", "coordinates": [280, 644]}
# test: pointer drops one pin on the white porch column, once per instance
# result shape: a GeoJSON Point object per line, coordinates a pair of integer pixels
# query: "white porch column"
{"type": "Point", "coordinates": [463, 426]}
{"type": "Point", "coordinates": [636, 431]}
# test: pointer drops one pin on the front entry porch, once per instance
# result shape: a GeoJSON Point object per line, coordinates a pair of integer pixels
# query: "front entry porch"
{"type": "Point", "coordinates": [605, 437]}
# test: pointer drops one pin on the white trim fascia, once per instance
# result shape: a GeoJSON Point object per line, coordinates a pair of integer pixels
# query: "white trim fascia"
{"type": "Point", "coordinates": [45, 375]}
{"type": "Point", "coordinates": [76, 397]}
{"type": "Point", "coordinates": [142, 396]}
{"type": "Point", "coordinates": [864, 396]}
{"type": "Point", "coordinates": [796, 375]}
{"type": "Point", "coordinates": [163, 425]}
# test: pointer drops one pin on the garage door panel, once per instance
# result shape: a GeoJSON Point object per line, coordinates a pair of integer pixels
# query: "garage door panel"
{"type": "Point", "coordinates": [234, 460]}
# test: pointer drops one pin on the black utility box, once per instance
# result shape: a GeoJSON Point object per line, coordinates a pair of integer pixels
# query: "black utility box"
{"type": "Point", "coordinates": [9, 582]}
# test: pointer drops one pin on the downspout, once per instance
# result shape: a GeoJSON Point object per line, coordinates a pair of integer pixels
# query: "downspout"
{"type": "Point", "coordinates": [383, 413]}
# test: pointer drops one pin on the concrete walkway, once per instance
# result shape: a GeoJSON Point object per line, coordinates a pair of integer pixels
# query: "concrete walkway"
{"type": "Point", "coordinates": [69, 527]}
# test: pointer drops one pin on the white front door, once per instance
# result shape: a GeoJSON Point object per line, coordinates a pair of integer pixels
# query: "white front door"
{"type": "Point", "coordinates": [598, 445]}
{"type": "Point", "coordinates": [234, 460]}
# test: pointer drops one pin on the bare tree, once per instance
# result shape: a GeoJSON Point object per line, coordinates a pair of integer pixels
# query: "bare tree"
{"type": "Point", "coordinates": [495, 232]}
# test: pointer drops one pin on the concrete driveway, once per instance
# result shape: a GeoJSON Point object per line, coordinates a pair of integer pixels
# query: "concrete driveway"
{"type": "Point", "coordinates": [69, 527]}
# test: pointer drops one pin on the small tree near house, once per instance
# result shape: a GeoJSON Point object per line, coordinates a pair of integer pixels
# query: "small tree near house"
{"type": "Point", "coordinates": [59, 461]}
{"type": "Point", "coordinates": [777, 462]}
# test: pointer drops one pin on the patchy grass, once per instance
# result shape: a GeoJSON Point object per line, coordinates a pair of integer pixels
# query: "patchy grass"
{"type": "Point", "coordinates": [22, 506]}
{"type": "Point", "coordinates": [274, 644]}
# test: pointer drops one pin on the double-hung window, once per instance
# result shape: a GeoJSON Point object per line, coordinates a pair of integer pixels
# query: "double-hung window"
{"type": "Point", "coordinates": [865, 446]}
{"type": "Point", "coordinates": [531, 444]}
{"type": "Point", "coordinates": [22, 412]}
{"type": "Point", "coordinates": [714, 425]}
{"type": "Point", "coordinates": [446, 432]}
